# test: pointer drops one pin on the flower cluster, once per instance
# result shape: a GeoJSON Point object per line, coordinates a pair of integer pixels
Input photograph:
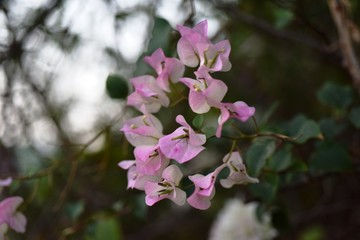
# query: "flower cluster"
{"type": "Point", "coordinates": [9, 217]}
{"type": "Point", "coordinates": [152, 169]}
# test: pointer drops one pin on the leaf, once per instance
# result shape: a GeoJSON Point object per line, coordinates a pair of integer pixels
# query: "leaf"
{"type": "Point", "coordinates": [198, 121]}
{"type": "Point", "coordinates": [334, 95]}
{"type": "Point", "coordinates": [74, 209]}
{"type": "Point", "coordinates": [117, 87]}
{"type": "Point", "coordinates": [267, 187]}
{"type": "Point", "coordinates": [354, 117]}
{"type": "Point", "coordinates": [330, 157]}
{"type": "Point", "coordinates": [282, 17]}
{"type": "Point", "coordinates": [281, 160]}
{"type": "Point", "coordinates": [330, 128]}
{"type": "Point", "coordinates": [304, 129]}
{"type": "Point", "coordinates": [160, 35]}
{"type": "Point", "coordinates": [107, 228]}
{"type": "Point", "coordinates": [257, 154]}
{"type": "Point", "coordinates": [209, 131]}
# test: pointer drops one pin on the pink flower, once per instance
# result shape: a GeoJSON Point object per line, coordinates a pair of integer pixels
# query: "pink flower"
{"type": "Point", "coordinates": [167, 188]}
{"type": "Point", "coordinates": [239, 110]}
{"type": "Point", "coordinates": [204, 189]}
{"type": "Point", "coordinates": [187, 44]}
{"type": "Point", "coordinates": [238, 174]}
{"type": "Point", "coordinates": [148, 95]}
{"type": "Point", "coordinates": [150, 159]}
{"type": "Point", "coordinates": [183, 144]}
{"type": "Point", "coordinates": [205, 91]}
{"type": "Point", "coordinates": [9, 215]}
{"type": "Point", "coordinates": [215, 57]}
{"type": "Point", "coordinates": [143, 130]}
{"type": "Point", "coordinates": [135, 179]}
{"type": "Point", "coordinates": [5, 182]}
{"type": "Point", "coordinates": [168, 69]}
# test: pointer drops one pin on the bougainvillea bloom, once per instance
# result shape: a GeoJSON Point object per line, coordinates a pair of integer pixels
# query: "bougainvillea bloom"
{"type": "Point", "coordinates": [183, 144]}
{"type": "Point", "coordinates": [143, 130]}
{"type": "Point", "coordinates": [204, 189]}
{"type": "Point", "coordinates": [168, 69]}
{"type": "Point", "coordinates": [147, 95]}
{"type": "Point", "coordinates": [187, 44]}
{"type": "Point", "coordinates": [239, 110]}
{"type": "Point", "coordinates": [238, 174]}
{"type": "Point", "coordinates": [135, 179]}
{"type": "Point", "coordinates": [215, 57]}
{"type": "Point", "coordinates": [150, 159]}
{"type": "Point", "coordinates": [167, 188]}
{"type": "Point", "coordinates": [8, 214]}
{"type": "Point", "coordinates": [204, 91]}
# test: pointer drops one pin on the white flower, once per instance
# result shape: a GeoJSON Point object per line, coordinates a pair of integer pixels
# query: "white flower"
{"type": "Point", "coordinates": [238, 221]}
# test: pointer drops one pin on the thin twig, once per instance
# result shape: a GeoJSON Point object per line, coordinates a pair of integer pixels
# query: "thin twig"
{"type": "Point", "coordinates": [341, 19]}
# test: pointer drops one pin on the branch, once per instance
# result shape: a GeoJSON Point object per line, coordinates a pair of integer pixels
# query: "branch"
{"type": "Point", "coordinates": [338, 12]}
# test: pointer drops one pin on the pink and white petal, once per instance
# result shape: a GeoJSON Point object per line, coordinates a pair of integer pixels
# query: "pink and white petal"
{"type": "Point", "coordinates": [190, 153]}
{"type": "Point", "coordinates": [216, 91]}
{"type": "Point", "coordinates": [172, 147]}
{"type": "Point", "coordinates": [181, 120]}
{"type": "Point", "coordinates": [163, 81]}
{"type": "Point", "coordinates": [227, 183]}
{"type": "Point", "coordinates": [155, 60]}
{"type": "Point", "coordinates": [235, 158]}
{"type": "Point", "coordinates": [10, 204]}
{"type": "Point", "coordinates": [175, 69]}
{"type": "Point", "coordinates": [224, 116]}
{"type": "Point", "coordinates": [198, 103]}
{"type": "Point", "coordinates": [172, 174]}
{"type": "Point", "coordinates": [178, 197]}
{"type": "Point", "coordinates": [17, 222]}
{"type": "Point", "coordinates": [199, 202]}
{"type": "Point", "coordinates": [187, 53]}
{"type": "Point", "coordinates": [201, 28]}
{"type": "Point", "coordinates": [196, 139]}
{"type": "Point", "coordinates": [244, 112]}
{"type": "Point", "coordinates": [126, 164]}
{"type": "Point", "coordinates": [189, 82]}
{"type": "Point", "coordinates": [152, 190]}
{"type": "Point", "coordinates": [5, 182]}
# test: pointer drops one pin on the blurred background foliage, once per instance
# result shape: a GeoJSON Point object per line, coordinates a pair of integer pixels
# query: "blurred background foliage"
{"type": "Point", "coordinates": [287, 62]}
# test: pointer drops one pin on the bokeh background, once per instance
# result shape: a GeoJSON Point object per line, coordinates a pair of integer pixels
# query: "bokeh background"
{"type": "Point", "coordinates": [60, 114]}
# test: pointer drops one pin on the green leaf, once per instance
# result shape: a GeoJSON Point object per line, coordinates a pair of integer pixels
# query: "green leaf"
{"type": "Point", "coordinates": [74, 209]}
{"type": "Point", "coordinates": [117, 87]}
{"type": "Point", "coordinates": [209, 131]}
{"type": "Point", "coordinates": [355, 117]}
{"type": "Point", "coordinates": [330, 128]}
{"type": "Point", "coordinates": [160, 35]}
{"type": "Point", "coordinates": [281, 160]}
{"type": "Point", "coordinates": [330, 157]}
{"type": "Point", "coordinates": [198, 121]}
{"type": "Point", "coordinates": [267, 187]}
{"type": "Point", "coordinates": [334, 95]}
{"type": "Point", "coordinates": [257, 154]}
{"type": "Point", "coordinates": [304, 129]}
{"type": "Point", "coordinates": [107, 228]}
{"type": "Point", "coordinates": [282, 17]}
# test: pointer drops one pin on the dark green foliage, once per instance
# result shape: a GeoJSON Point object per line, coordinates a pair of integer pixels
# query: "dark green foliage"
{"type": "Point", "coordinates": [335, 95]}
{"type": "Point", "coordinates": [117, 87]}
